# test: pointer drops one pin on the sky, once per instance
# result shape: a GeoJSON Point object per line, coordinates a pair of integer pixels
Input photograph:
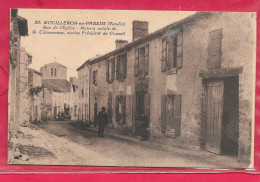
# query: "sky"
{"type": "Point", "coordinates": [73, 50]}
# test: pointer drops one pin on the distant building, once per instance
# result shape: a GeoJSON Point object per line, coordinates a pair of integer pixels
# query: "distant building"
{"type": "Point", "coordinates": [35, 95]}
{"type": "Point", "coordinates": [18, 28]}
{"type": "Point", "coordinates": [54, 70]}
{"type": "Point", "coordinates": [193, 80]}
{"type": "Point", "coordinates": [59, 94]}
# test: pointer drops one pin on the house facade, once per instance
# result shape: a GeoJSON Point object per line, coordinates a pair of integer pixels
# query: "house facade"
{"type": "Point", "coordinates": [73, 98]}
{"type": "Point", "coordinates": [193, 80]}
{"type": "Point", "coordinates": [35, 95]}
{"type": "Point", "coordinates": [22, 101]}
{"type": "Point", "coordinates": [18, 28]}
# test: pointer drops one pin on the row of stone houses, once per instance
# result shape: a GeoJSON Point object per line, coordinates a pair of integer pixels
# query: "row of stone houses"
{"type": "Point", "coordinates": [193, 80]}
{"type": "Point", "coordinates": [35, 96]}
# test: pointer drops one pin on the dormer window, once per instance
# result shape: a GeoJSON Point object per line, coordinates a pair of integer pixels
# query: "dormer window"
{"type": "Point", "coordinates": [51, 71]}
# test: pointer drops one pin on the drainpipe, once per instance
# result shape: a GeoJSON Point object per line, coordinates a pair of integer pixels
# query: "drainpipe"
{"type": "Point", "coordinates": [89, 71]}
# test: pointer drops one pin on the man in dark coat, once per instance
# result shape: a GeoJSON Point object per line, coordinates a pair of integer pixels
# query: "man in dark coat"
{"type": "Point", "coordinates": [102, 121]}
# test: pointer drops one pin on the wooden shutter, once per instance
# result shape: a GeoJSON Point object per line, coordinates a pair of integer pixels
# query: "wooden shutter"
{"type": "Point", "coordinates": [147, 106]}
{"type": "Point", "coordinates": [117, 67]}
{"type": "Point", "coordinates": [146, 59]}
{"type": "Point", "coordinates": [107, 75]}
{"type": "Point", "coordinates": [123, 102]}
{"type": "Point", "coordinates": [177, 114]}
{"type": "Point", "coordinates": [94, 77]}
{"type": "Point", "coordinates": [164, 55]}
{"type": "Point", "coordinates": [124, 60]}
{"type": "Point", "coordinates": [214, 49]}
{"type": "Point", "coordinates": [179, 51]}
{"type": "Point", "coordinates": [163, 113]}
{"type": "Point", "coordinates": [109, 107]}
{"type": "Point", "coordinates": [113, 69]}
{"type": "Point", "coordinates": [117, 108]}
{"type": "Point", "coordinates": [136, 65]}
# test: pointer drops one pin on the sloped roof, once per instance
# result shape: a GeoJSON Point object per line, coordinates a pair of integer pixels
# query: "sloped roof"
{"type": "Point", "coordinates": [58, 85]}
{"type": "Point", "coordinates": [35, 71]}
{"type": "Point", "coordinates": [89, 60]}
{"type": "Point", "coordinates": [149, 36]}
{"type": "Point", "coordinates": [55, 64]}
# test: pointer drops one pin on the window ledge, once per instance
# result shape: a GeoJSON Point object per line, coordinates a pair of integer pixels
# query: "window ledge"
{"type": "Point", "coordinates": [170, 134]}
{"type": "Point", "coordinates": [171, 71]}
{"type": "Point", "coordinates": [111, 81]}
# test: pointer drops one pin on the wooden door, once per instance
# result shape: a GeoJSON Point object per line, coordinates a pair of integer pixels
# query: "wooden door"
{"type": "Point", "coordinates": [214, 111]}
{"type": "Point", "coordinates": [142, 109]}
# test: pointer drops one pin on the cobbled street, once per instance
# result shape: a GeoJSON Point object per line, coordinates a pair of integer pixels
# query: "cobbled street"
{"type": "Point", "coordinates": [66, 143]}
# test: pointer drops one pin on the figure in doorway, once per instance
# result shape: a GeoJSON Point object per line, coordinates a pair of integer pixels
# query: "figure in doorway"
{"type": "Point", "coordinates": [145, 128]}
{"type": "Point", "coordinates": [102, 121]}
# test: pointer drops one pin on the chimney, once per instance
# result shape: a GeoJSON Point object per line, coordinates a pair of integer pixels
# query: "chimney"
{"type": "Point", "coordinates": [140, 29]}
{"type": "Point", "coordinates": [121, 43]}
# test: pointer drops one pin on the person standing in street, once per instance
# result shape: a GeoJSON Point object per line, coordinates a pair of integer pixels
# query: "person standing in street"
{"type": "Point", "coordinates": [102, 121]}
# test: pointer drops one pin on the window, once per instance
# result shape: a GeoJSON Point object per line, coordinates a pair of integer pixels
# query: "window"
{"type": "Point", "coordinates": [171, 114]}
{"type": "Point", "coordinates": [121, 67]}
{"type": "Point", "coordinates": [141, 66]}
{"type": "Point", "coordinates": [51, 71]}
{"type": "Point", "coordinates": [120, 109]}
{"type": "Point", "coordinates": [172, 52]}
{"type": "Point", "coordinates": [95, 74]}
{"type": "Point", "coordinates": [214, 49]}
{"type": "Point", "coordinates": [55, 71]}
{"type": "Point", "coordinates": [110, 70]}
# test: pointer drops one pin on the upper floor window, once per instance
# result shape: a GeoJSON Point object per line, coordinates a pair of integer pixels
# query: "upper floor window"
{"type": "Point", "coordinates": [141, 65]}
{"type": "Point", "coordinates": [55, 71]}
{"type": "Point", "coordinates": [95, 74]}
{"type": "Point", "coordinates": [214, 49]}
{"type": "Point", "coordinates": [121, 67]}
{"type": "Point", "coordinates": [172, 52]}
{"type": "Point", "coordinates": [110, 74]}
{"type": "Point", "coordinates": [51, 71]}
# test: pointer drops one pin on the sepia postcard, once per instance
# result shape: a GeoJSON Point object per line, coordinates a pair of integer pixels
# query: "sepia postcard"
{"type": "Point", "coordinates": [132, 88]}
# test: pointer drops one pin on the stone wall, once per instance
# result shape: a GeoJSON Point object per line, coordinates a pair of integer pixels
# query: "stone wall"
{"type": "Point", "coordinates": [22, 88]}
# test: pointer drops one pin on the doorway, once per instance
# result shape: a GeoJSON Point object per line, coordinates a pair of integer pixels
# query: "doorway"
{"type": "Point", "coordinates": [142, 110]}
{"type": "Point", "coordinates": [222, 115]}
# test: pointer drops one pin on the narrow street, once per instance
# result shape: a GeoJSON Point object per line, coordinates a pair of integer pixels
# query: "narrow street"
{"type": "Point", "coordinates": [65, 143]}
